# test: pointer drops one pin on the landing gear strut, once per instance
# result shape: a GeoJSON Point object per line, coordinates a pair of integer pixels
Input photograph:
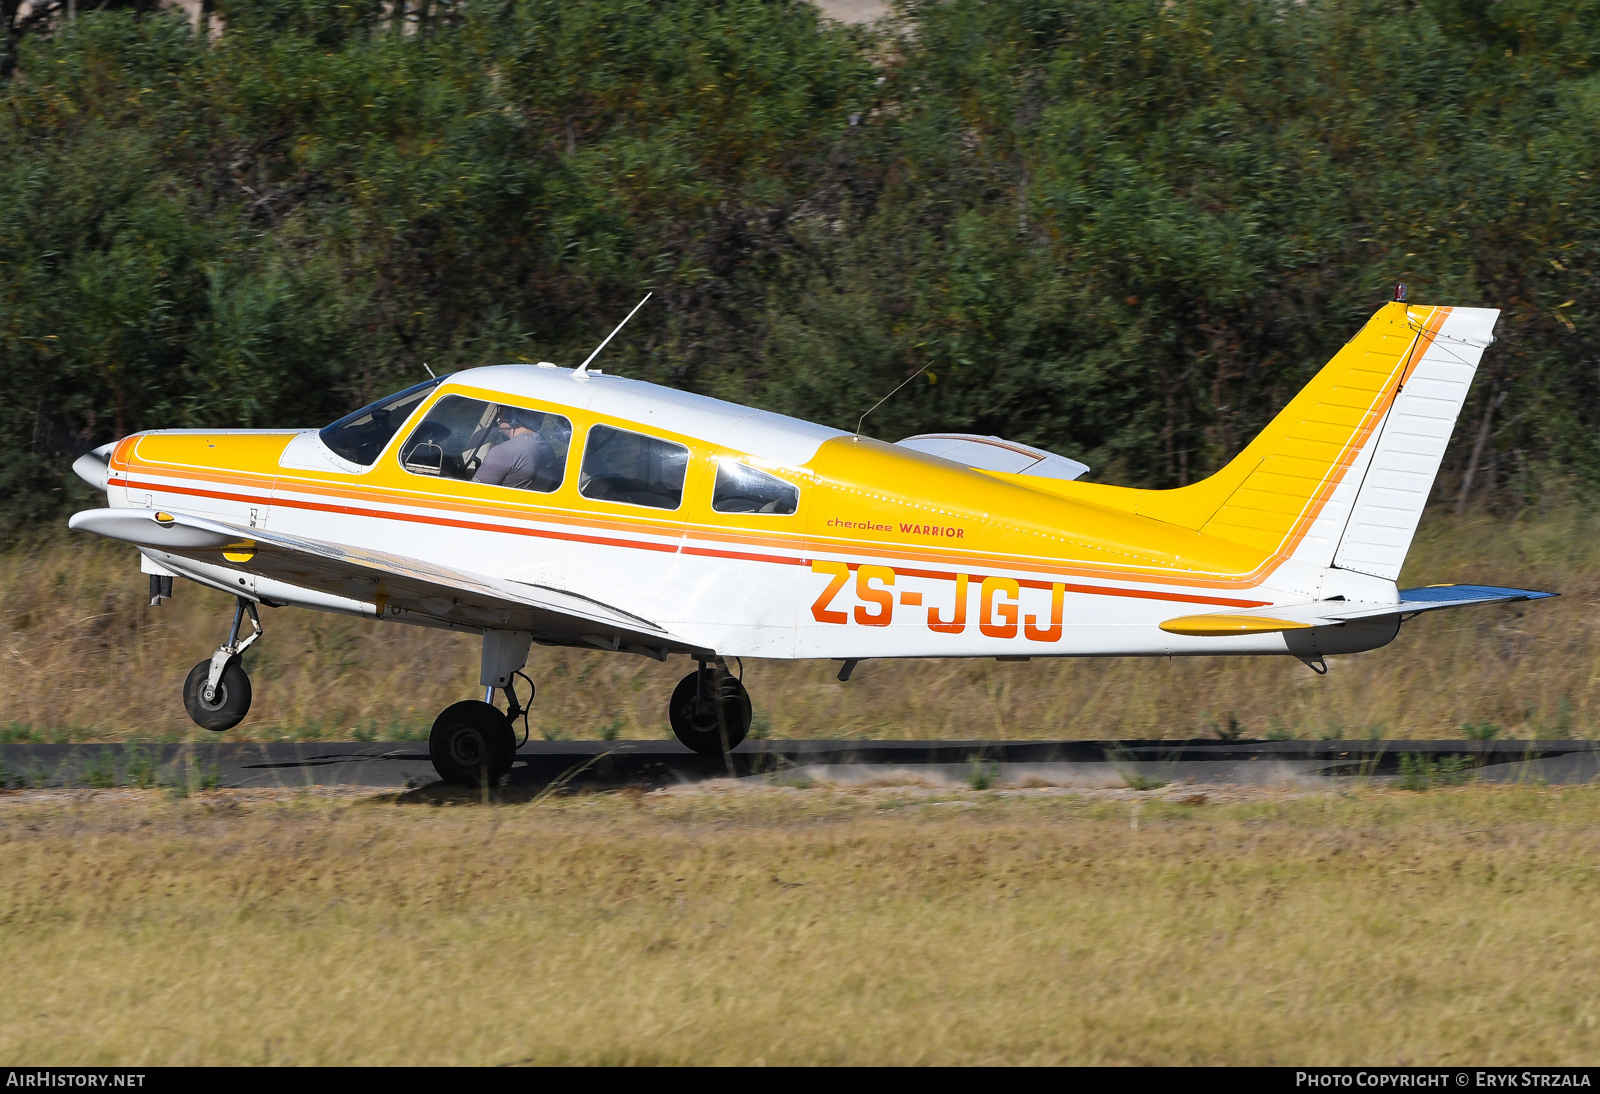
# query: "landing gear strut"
{"type": "Point", "coordinates": [710, 710]}
{"type": "Point", "coordinates": [217, 692]}
{"type": "Point", "coordinates": [473, 743]}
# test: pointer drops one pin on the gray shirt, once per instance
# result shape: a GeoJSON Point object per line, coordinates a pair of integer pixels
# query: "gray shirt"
{"type": "Point", "coordinates": [511, 463]}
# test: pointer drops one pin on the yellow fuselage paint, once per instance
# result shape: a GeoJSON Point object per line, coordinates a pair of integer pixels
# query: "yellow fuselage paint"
{"type": "Point", "coordinates": [864, 497]}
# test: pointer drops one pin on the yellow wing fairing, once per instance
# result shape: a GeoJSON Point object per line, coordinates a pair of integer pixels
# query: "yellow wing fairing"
{"type": "Point", "coordinates": [1219, 626]}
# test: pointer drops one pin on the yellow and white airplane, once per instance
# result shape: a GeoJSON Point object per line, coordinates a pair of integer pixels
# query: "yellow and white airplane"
{"type": "Point", "coordinates": [536, 504]}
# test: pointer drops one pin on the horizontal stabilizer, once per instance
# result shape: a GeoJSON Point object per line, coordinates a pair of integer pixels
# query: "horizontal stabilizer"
{"type": "Point", "coordinates": [1433, 597]}
{"type": "Point", "coordinates": [1331, 613]}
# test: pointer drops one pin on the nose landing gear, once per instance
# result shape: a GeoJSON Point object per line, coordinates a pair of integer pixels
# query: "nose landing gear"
{"type": "Point", "coordinates": [217, 691]}
{"type": "Point", "coordinates": [710, 710]}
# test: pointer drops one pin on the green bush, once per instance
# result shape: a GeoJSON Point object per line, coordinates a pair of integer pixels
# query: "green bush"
{"type": "Point", "coordinates": [1125, 231]}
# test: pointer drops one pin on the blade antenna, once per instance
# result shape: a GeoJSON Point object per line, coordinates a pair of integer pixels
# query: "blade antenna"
{"type": "Point", "coordinates": [583, 369]}
{"type": "Point", "coordinates": [889, 396]}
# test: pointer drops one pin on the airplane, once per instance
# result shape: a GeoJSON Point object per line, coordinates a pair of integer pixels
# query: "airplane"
{"type": "Point", "coordinates": [535, 504]}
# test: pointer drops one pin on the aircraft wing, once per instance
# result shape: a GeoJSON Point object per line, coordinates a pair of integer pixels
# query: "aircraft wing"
{"type": "Point", "coordinates": [393, 584]}
{"type": "Point", "coordinates": [996, 454]}
{"type": "Point", "coordinates": [1328, 613]}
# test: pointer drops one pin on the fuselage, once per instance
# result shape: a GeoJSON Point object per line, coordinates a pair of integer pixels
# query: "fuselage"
{"type": "Point", "coordinates": [887, 552]}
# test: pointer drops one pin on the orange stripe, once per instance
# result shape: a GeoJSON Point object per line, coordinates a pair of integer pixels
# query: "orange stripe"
{"type": "Point", "coordinates": [1423, 343]}
{"type": "Point", "coordinates": [679, 548]}
{"type": "Point", "coordinates": [798, 541]}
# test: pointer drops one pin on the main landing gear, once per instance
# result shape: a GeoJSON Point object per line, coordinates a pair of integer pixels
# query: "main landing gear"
{"type": "Point", "coordinates": [217, 692]}
{"type": "Point", "coordinates": [474, 743]}
{"type": "Point", "coordinates": [710, 710]}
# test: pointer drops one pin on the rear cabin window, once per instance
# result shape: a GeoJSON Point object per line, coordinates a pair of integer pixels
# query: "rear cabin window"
{"type": "Point", "coordinates": [632, 468]}
{"type": "Point", "coordinates": [362, 436]}
{"type": "Point", "coordinates": [493, 443]}
{"type": "Point", "coordinates": [743, 489]}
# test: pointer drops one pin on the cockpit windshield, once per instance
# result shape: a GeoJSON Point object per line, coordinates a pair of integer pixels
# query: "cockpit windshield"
{"type": "Point", "coordinates": [362, 436]}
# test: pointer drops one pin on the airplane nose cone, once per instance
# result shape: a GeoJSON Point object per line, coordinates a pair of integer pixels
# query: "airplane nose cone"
{"type": "Point", "coordinates": [94, 467]}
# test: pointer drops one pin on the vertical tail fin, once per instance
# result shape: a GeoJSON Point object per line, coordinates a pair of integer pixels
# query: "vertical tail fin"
{"type": "Point", "coordinates": [1340, 476]}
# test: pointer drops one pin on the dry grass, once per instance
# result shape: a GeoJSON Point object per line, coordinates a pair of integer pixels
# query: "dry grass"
{"type": "Point", "coordinates": [83, 659]}
{"type": "Point", "coordinates": [780, 926]}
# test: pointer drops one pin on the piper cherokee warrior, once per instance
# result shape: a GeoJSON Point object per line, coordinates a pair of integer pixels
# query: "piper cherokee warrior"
{"type": "Point", "coordinates": [530, 503]}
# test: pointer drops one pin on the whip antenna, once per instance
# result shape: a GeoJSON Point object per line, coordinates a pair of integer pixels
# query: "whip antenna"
{"type": "Point", "coordinates": [583, 369]}
{"type": "Point", "coordinates": [889, 396]}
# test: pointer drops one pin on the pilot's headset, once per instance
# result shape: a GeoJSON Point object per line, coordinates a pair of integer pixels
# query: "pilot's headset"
{"type": "Point", "coordinates": [517, 416]}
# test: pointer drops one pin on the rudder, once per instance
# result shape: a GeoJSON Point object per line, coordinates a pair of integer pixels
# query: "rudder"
{"type": "Point", "coordinates": [1411, 444]}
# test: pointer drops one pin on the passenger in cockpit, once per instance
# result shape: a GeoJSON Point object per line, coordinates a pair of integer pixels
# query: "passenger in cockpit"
{"type": "Point", "coordinates": [514, 461]}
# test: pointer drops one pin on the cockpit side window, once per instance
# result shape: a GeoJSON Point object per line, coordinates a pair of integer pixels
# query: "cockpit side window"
{"type": "Point", "coordinates": [494, 443]}
{"type": "Point", "coordinates": [362, 436]}
{"type": "Point", "coordinates": [742, 489]}
{"type": "Point", "coordinates": [633, 469]}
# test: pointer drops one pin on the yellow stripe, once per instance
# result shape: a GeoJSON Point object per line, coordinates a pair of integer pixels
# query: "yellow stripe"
{"type": "Point", "coordinates": [1219, 626]}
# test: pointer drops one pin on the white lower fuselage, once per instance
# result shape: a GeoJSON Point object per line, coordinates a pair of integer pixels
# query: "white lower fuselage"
{"type": "Point", "coordinates": [770, 601]}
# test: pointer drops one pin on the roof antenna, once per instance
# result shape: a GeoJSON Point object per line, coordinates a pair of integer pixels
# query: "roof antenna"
{"type": "Point", "coordinates": [583, 369]}
{"type": "Point", "coordinates": [431, 376]}
{"type": "Point", "coordinates": [889, 396]}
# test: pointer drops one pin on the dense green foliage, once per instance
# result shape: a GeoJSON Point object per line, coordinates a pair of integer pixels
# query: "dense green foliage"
{"type": "Point", "coordinates": [1126, 231]}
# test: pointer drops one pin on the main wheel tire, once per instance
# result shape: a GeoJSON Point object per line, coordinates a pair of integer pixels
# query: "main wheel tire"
{"type": "Point", "coordinates": [693, 713]}
{"type": "Point", "coordinates": [230, 703]}
{"type": "Point", "coordinates": [472, 743]}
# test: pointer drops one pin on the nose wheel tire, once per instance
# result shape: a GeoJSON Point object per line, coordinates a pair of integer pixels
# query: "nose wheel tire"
{"type": "Point", "coordinates": [693, 712]}
{"type": "Point", "coordinates": [227, 707]}
{"type": "Point", "coordinates": [472, 743]}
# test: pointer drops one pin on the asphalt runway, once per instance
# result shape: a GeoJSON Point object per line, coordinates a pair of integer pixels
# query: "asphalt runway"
{"type": "Point", "coordinates": [599, 764]}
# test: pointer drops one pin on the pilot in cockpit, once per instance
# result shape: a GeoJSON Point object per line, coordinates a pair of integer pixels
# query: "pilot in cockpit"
{"type": "Point", "coordinates": [513, 461]}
